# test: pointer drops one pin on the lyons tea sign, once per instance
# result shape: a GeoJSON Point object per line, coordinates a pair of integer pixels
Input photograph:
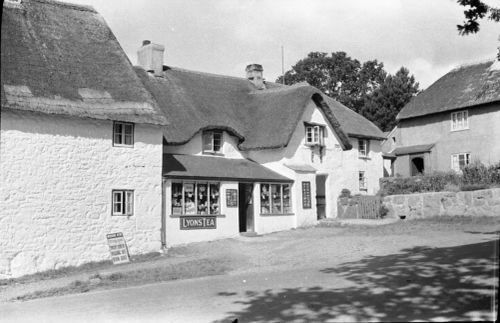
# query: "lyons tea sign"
{"type": "Point", "coordinates": [198, 222]}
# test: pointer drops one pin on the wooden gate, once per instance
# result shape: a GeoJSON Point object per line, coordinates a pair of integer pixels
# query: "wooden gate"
{"type": "Point", "coordinates": [368, 207]}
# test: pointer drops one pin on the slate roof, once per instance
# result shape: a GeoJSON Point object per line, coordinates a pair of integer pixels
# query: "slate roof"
{"type": "Point", "coordinates": [405, 150]}
{"type": "Point", "coordinates": [464, 87]}
{"type": "Point", "coordinates": [217, 168]}
{"type": "Point", "coordinates": [61, 58]}
{"type": "Point", "coordinates": [261, 119]}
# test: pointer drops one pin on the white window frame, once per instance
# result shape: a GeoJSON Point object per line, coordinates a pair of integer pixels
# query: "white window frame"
{"type": "Point", "coordinates": [123, 134]}
{"type": "Point", "coordinates": [269, 197]}
{"type": "Point", "coordinates": [314, 134]}
{"type": "Point", "coordinates": [212, 133]}
{"type": "Point", "coordinates": [362, 181]}
{"type": "Point", "coordinates": [122, 202]}
{"type": "Point", "coordinates": [455, 161]}
{"type": "Point", "coordinates": [459, 120]}
{"type": "Point", "coordinates": [183, 201]}
{"type": "Point", "coordinates": [365, 152]}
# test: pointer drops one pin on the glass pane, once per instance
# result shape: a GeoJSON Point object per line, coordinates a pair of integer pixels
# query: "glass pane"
{"type": "Point", "coordinates": [117, 202]}
{"type": "Point", "coordinates": [286, 199]}
{"type": "Point", "coordinates": [128, 139]}
{"type": "Point", "coordinates": [207, 141]}
{"type": "Point", "coordinates": [118, 138]}
{"type": "Point", "coordinates": [309, 136]}
{"type": "Point", "coordinates": [316, 134]}
{"type": "Point", "coordinates": [264, 199]}
{"type": "Point", "coordinates": [189, 205]}
{"type": "Point", "coordinates": [217, 141]}
{"type": "Point", "coordinates": [129, 202]}
{"type": "Point", "coordinates": [202, 199]}
{"type": "Point", "coordinates": [176, 198]}
{"type": "Point", "coordinates": [276, 198]}
{"type": "Point", "coordinates": [128, 129]}
{"type": "Point", "coordinates": [214, 199]}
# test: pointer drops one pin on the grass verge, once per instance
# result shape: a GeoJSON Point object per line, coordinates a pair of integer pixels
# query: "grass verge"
{"type": "Point", "coordinates": [188, 269]}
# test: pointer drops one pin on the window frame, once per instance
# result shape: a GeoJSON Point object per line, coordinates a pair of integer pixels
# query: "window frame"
{"type": "Point", "coordinates": [195, 192]}
{"type": "Point", "coordinates": [366, 144]}
{"type": "Point", "coordinates": [312, 130]}
{"type": "Point", "coordinates": [212, 142]}
{"type": "Point", "coordinates": [362, 181]}
{"type": "Point", "coordinates": [282, 199]}
{"type": "Point", "coordinates": [464, 119]}
{"type": "Point", "coordinates": [126, 203]}
{"type": "Point", "coordinates": [123, 134]}
{"type": "Point", "coordinates": [467, 160]}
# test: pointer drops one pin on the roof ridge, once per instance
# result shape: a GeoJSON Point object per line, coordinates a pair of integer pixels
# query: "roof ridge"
{"type": "Point", "coordinates": [472, 63]}
{"type": "Point", "coordinates": [68, 5]}
{"type": "Point", "coordinates": [205, 73]}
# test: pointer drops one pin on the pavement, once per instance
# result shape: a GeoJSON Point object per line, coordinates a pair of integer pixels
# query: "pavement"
{"type": "Point", "coordinates": [451, 283]}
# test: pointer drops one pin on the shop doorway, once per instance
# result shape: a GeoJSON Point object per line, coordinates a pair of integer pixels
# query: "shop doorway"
{"type": "Point", "coordinates": [417, 165]}
{"type": "Point", "coordinates": [321, 196]}
{"type": "Point", "coordinates": [245, 207]}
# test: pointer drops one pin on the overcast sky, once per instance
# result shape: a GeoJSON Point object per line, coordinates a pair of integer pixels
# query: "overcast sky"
{"type": "Point", "coordinates": [223, 36]}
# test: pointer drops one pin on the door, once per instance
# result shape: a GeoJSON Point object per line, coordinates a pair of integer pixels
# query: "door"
{"type": "Point", "coordinates": [246, 219]}
{"type": "Point", "coordinates": [417, 165]}
{"type": "Point", "coordinates": [321, 196]}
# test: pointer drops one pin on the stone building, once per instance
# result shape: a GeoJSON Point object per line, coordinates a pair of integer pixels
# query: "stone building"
{"type": "Point", "coordinates": [91, 145]}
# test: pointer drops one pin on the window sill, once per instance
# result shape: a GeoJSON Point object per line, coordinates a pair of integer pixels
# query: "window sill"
{"type": "Point", "coordinates": [123, 146]}
{"type": "Point", "coordinates": [174, 216]}
{"type": "Point", "coordinates": [457, 130]}
{"type": "Point", "coordinates": [364, 158]}
{"type": "Point", "coordinates": [277, 214]}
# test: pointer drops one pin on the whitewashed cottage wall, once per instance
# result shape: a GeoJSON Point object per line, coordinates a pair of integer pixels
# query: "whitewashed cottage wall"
{"type": "Point", "coordinates": [56, 176]}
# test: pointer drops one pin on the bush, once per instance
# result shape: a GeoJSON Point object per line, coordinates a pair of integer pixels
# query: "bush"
{"type": "Point", "coordinates": [382, 211]}
{"type": "Point", "coordinates": [345, 193]}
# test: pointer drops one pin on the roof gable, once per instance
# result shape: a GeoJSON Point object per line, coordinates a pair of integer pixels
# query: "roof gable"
{"type": "Point", "coordinates": [463, 87]}
{"type": "Point", "coordinates": [63, 58]}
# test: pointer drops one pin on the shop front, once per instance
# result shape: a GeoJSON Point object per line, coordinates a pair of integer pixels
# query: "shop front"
{"type": "Point", "coordinates": [208, 198]}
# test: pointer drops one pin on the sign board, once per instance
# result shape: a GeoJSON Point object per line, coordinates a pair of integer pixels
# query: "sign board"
{"type": "Point", "coordinates": [198, 222]}
{"type": "Point", "coordinates": [232, 198]}
{"type": "Point", "coordinates": [306, 195]}
{"type": "Point", "coordinates": [118, 248]}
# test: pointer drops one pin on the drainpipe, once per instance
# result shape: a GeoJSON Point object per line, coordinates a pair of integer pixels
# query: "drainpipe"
{"type": "Point", "coordinates": [163, 217]}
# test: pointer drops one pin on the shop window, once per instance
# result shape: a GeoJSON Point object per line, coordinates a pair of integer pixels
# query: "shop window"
{"type": "Point", "coordinates": [459, 120]}
{"type": "Point", "coordinates": [195, 198]}
{"type": "Point", "coordinates": [459, 161]}
{"type": "Point", "coordinates": [363, 148]}
{"type": "Point", "coordinates": [315, 134]}
{"type": "Point", "coordinates": [212, 142]}
{"type": "Point", "coordinates": [275, 199]}
{"type": "Point", "coordinates": [123, 134]}
{"type": "Point", "coordinates": [123, 202]}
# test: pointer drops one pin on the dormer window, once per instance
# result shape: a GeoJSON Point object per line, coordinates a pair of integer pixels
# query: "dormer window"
{"type": "Point", "coordinates": [212, 142]}
{"type": "Point", "coordinates": [459, 120]}
{"type": "Point", "coordinates": [363, 148]}
{"type": "Point", "coordinates": [123, 134]}
{"type": "Point", "coordinates": [315, 134]}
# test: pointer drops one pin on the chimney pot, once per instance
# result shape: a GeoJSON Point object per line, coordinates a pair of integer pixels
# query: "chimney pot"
{"type": "Point", "coordinates": [255, 75]}
{"type": "Point", "coordinates": [150, 57]}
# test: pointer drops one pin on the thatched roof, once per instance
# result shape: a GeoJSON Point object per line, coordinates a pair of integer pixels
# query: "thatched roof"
{"type": "Point", "coordinates": [464, 87]}
{"type": "Point", "coordinates": [61, 58]}
{"type": "Point", "coordinates": [261, 119]}
{"type": "Point", "coordinates": [217, 168]}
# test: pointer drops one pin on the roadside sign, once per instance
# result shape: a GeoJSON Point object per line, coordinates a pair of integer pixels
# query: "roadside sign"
{"type": "Point", "coordinates": [118, 248]}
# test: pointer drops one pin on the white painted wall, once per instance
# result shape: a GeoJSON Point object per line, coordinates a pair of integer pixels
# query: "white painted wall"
{"type": "Point", "coordinates": [195, 147]}
{"type": "Point", "coordinates": [56, 176]}
{"type": "Point", "coordinates": [227, 223]}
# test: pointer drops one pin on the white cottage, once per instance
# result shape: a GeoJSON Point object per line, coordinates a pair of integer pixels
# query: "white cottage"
{"type": "Point", "coordinates": [91, 146]}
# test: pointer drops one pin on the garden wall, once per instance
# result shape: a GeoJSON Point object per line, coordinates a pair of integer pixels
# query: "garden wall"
{"type": "Point", "coordinates": [479, 203]}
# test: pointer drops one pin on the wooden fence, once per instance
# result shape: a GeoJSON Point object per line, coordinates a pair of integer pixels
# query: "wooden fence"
{"type": "Point", "coordinates": [359, 207]}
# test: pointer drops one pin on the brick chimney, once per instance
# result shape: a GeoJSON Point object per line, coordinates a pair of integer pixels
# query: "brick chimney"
{"type": "Point", "coordinates": [254, 75]}
{"type": "Point", "coordinates": [150, 57]}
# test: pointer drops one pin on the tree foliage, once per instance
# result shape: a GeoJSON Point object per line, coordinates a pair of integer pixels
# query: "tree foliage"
{"type": "Point", "coordinates": [363, 87]}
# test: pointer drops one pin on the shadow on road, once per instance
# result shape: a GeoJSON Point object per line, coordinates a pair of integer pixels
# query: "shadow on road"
{"type": "Point", "coordinates": [455, 283]}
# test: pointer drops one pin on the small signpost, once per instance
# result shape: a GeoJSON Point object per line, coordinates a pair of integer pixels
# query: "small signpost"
{"type": "Point", "coordinates": [118, 248]}
{"type": "Point", "coordinates": [306, 195]}
{"type": "Point", "coordinates": [198, 222]}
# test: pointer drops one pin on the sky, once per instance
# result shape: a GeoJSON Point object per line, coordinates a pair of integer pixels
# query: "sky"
{"type": "Point", "coordinates": [223, 36]}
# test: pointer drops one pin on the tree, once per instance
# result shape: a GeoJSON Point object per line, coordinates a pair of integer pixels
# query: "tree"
{"type": "Point", "coordinates": [360, 86]}
{"type": "Point", "coordinates": [477, 10]}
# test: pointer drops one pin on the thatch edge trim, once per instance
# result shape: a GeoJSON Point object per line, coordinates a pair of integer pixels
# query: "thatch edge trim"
{"type": "Point", "coordinates": [230, 130]}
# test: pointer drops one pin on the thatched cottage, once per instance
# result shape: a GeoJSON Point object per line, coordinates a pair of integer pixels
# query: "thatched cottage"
{"type": "Point", "coordinates": [91, 145]}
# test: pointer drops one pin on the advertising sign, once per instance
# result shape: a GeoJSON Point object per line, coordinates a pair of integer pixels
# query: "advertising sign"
{"type": "Point", "coordinates": [118, 248]}
{"type": "Point", "coordinates": [198, 222]}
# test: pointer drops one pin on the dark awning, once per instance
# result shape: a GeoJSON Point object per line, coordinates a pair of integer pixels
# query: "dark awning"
{"type": "Point", "coordinates": [412, 149]}
{"type": "Point", "coordinates": [218, 168]}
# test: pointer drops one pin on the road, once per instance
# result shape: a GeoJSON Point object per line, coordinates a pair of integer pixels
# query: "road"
{"type": "Point", "coordinates": [430, 284]}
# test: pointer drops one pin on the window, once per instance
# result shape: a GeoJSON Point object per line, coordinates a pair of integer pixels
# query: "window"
{"type": "Point", "coordinates": [275, 199]}
{"type": "Point", "coordinates": [195, 198]}
{"type": "Point", "coordinates": [212, 142]}
{"type": "Point", "coordinates": [459, 120]}
{"type": "Point", "coordinates": [362, 181]}
{"type": "Point", "coordinates": [315, 134]}
{"type": "Point", "coordinates": [459, 161]}
{"type": "Point", "coordinates": [123, 202]}
{"type": "Point", "coordinates": [123, 134]}
{"type": "Point", "coordinates": [363, 148]}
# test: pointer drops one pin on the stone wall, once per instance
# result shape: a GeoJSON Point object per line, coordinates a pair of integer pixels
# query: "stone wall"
{"type": "Point", "coordinates": [471, 203]}
{"type": "Point", "coordinates": [56, 178]}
